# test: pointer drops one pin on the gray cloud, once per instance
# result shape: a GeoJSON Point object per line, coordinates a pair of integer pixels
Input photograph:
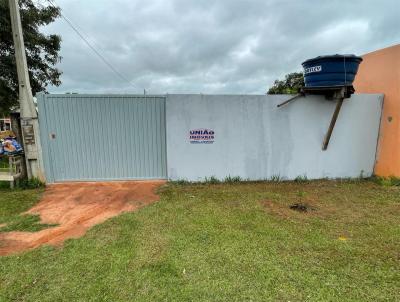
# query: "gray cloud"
{"type": "Point", "coordinates": [227, 46]}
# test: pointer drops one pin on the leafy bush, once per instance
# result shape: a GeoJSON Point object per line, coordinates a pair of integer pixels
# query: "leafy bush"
{"type": "Point", "coordinates": [181, 182]}
{"type": "Point", "coordinates": [276, 178]}
{"type": "Point", "coordinates": [232, 179]}
{"type": "Point", "coordinates": [301, 178]}
{"type": "Point", "coordinates": [212, 180]}
{"type": "Point", "coordinates": [387, 181]}
{"type": "Point", "coordinates": [290, 85]}
{"type": "Point", "coordinates": [33, 183]}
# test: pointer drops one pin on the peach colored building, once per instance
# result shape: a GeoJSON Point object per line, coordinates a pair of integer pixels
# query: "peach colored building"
{"type": "Point", "coordinates": [380, 73]}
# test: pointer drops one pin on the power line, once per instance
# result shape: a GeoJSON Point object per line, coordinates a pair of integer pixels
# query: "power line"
{"type": "Point", "coordinates": [105, 61]}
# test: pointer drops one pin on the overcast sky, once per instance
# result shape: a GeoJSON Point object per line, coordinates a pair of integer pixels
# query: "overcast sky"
{"type": "Point", "coordinates": [211, 46]}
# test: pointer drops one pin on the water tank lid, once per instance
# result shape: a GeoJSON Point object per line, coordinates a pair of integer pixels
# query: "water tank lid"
{"type": "Point", "coordinates": [350, 57]}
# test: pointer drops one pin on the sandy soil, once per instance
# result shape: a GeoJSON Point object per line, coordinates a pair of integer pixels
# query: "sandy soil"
{"type": "Point", "coordinates": [76, 207]}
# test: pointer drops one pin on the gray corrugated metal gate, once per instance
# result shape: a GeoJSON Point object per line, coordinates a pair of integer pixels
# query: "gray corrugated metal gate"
{"type": "Point", "coordinates": [102, 137]}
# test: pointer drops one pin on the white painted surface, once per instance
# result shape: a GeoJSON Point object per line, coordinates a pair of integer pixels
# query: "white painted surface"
{"type": "Point", "coordinates": [256, 140]}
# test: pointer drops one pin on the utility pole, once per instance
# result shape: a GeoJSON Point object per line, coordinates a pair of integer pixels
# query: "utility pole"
{"type": "Point", "coordinates": [29, 117]}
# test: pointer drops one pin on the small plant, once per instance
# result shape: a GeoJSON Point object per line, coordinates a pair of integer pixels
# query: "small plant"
{"type": "Point", "coordinates": [212, 180]}
{"type": "Point", "coordinates": [301, 194]}
{"type": "Point", "coordinates": [301, 178]}
{"type": "Point", "coordinates": [276, 178]}
{"type": "Point", "coordinates": [387, 181]}
{"type": "Point", "coordinates": [232, 179]}
{"type": "Point", "coordinates": [181, 182]}
{"type": "Point", "coordinates": [360, 178]}
{"type": "Point", "coordinates": [33, 183]}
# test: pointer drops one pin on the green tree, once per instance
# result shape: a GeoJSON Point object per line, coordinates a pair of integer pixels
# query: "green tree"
{"type": "Point", "coordinates": [290, 85]}
{"type": "Point", "coordinates": [42, 51]}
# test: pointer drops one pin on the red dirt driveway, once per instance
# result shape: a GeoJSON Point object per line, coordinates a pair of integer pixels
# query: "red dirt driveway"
{"type": "Point", "coordinates": [76, 207]}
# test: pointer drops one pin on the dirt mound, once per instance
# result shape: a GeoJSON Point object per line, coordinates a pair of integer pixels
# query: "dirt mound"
{"type": "Point", "coordinates": [76, 207]}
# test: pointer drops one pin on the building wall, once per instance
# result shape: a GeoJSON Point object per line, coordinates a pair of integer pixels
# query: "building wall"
{"type": "Point", "coordinates": [380, 73]}
{"type": "Point", "coordinates": [256, 140]}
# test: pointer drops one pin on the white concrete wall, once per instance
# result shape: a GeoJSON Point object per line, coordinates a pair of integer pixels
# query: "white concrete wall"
{"type": "Point", "coordinates": [256, 140]}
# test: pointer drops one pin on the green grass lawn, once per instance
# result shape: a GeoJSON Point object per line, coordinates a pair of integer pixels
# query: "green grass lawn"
{"type": "Point", "coordinates": [15, 202]}
{"type": "Point", "coordinates": [224, 242]}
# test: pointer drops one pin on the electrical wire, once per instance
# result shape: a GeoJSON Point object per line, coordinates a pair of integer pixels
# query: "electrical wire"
{"type": "Point", "coordinates": [102, 58]}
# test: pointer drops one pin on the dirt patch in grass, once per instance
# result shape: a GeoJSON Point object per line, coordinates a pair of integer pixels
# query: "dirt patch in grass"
{"type": "Point", "coordinates": [340, 202]}
{"type": "Point", "coordinates": [75, 207]}
{"type": "Point", "coordinates": [302, 207]}
{"type": "Point", "coordinates": [284, 210]}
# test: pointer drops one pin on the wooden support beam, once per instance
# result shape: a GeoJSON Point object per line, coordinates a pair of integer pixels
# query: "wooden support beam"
{"type": "Point", "coordinates": [332, 124]}
{"type": "Point", "coordinates": [289, 100]}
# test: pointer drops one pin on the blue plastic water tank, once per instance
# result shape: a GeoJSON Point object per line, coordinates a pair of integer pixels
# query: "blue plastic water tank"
{"type": "Point", "coordinates": [334, 70]}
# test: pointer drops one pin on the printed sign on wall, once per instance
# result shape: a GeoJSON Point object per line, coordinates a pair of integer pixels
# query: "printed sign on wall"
{"type": "Point", "coordinates": [201, 136]}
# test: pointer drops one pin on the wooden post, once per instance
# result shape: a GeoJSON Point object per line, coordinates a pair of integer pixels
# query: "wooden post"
{"type": "Point", "coordinates": [332, 124]}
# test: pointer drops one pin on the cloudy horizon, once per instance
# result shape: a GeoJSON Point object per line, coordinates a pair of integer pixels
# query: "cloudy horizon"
{"type": "Point", "coordinates": [233, 46]}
